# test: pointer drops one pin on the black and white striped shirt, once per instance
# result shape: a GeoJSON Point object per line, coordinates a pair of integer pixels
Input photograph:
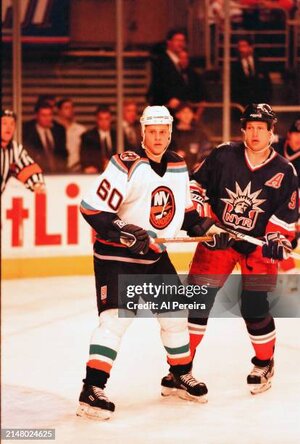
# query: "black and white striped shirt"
{"type": "Point", "coordinates": [15, 161]}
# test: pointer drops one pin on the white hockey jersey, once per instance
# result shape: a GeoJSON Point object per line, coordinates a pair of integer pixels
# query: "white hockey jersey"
{"type": "Point", "coordinates": [138, 194]}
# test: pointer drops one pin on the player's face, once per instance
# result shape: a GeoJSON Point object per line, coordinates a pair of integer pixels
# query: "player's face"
{"type": "Point", "coordinates": [8, 126]}
{"type": "Point", "coordinates": [294, 141]}
{"type": "Point", "coordinates": [45, 117]}
{"type": "Point", "coordinates": [156, 138]}
{"type": "Point", "coordinates": [104, 121]}
{"type": "Point", "coordinates": [257, 135]}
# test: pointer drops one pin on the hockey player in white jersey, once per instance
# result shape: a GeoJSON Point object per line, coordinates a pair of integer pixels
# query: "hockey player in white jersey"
{"type": "Point", "coordinates": [138, 193]}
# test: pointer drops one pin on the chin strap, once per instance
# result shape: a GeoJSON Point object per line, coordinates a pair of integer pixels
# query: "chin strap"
{"type": "Point", "coordinates": [260, 151]}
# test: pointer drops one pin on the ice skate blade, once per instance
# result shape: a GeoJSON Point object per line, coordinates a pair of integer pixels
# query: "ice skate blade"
{"type": "Point", "coordinates": [167, 391]}
{"type": "Point", "coordinates": [260, 388]}
{"type": "Point", "coordinates": [183, 394]}
{"type": "Point", "coordinates": [85, 410]}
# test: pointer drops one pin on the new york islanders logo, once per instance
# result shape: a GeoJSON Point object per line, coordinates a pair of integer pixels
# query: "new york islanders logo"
{"type": "Point", "coordinates": [162, 207]}
{"type": "Point", "coordinates": [242, 207]}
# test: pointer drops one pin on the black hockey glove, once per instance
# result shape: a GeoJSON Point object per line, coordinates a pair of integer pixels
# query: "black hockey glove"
{"type": "Point", "coordinates": [134, 237]}
{"type": "Point", "coordinates": [220, 241]}
{"type": "Point", "coordinates": [201, 227]}
{"type": "Point", "coordinates": [276, 246]}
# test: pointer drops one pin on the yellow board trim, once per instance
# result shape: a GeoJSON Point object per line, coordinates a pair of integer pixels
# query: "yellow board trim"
{"type": "Point", "coordinates": [67, 266]}
{"type": "Point", "coordinates": [71, 265]}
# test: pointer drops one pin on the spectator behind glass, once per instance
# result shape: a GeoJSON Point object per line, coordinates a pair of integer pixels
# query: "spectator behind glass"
{"type": "Point", "coordinates": [289, 146]}
{"type": "Point", "coordinates": [131, 125]}
{"type": "Point", "coordinates": [167, 84]}
{"type": "Point", "coordinates": [98, 144]}
{"type": "Point", "coordinates": [250, 82]}
{"type": "Point", "coordinates": [195, 89]}
{"type": "Point", "coordinates": [266, 14]}
{"type": "Point", "coordinates": [49, 98]}
{"type": "Point", "coordinates": [74, 130]}
{"type": "Point", "coordinates": [189, 140]}
{"type": "Point", "coordinates": [45, 140]}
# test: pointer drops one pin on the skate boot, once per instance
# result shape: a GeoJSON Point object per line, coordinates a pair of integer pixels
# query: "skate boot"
{"type": "Point", "coordinates": [168, 386]}
{"type": "Point", "coordinates": [260, 377]}
{"type": "Point", "coordinates": [184, 386]}
{"type": "Point", "coordinates": [94, 404]}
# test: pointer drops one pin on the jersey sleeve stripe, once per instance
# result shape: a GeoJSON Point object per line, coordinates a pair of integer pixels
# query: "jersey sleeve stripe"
{"type": "Point", "coordinates": [28, 171]}
{"type": "Point", "coordinates": [87, 209]}
{"type": "Point", "coordinates": [117, 162]}
{"type": "Point", "coordinates": [288, 227]}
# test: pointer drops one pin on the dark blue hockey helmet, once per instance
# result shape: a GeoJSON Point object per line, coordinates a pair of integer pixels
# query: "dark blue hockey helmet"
{"type": "Point", "coordinates": [258, 112]}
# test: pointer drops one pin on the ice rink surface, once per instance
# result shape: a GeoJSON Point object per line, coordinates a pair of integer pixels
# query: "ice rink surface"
{"type": "Point", "coordinates": [46, 326]}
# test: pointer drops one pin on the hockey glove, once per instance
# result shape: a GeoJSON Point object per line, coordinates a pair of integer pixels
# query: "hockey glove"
{"type": "Point", "coordinates": [134, 237]}
{"type": "Point", "coordinates": [220, 241]}
{"type": "Point", "coordinates": [201, 228]}
{"type": "Point", "coordinates": [276, 246]}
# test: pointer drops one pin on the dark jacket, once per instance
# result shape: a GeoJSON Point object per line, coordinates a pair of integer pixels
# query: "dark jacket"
{"type": "Point", "coordinates": [34, 146]}
{"type": "Point", "coordinates": [92, 152]}
{"type": "Point", "coordinates": [256, 88]}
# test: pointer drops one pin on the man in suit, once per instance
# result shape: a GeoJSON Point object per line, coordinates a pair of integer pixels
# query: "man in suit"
{"type": "Point", "coordinates": [250, 81]}
{"type": "Point", "coordinates": [99, 143]}
{"type": "Point", "coordinates": [131, 126]}
{"type": "Point", "coordinates": [167, 85]}
{"type": "Point", "coordinates": [45, 140]}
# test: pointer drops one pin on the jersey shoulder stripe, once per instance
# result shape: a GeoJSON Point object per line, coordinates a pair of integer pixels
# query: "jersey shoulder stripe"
{"type": "Point", "coordinates": [116, 161]}
{"type": "Point", "coordinates": [137, 163]}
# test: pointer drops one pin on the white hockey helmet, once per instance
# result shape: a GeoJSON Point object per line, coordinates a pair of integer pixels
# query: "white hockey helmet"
{"type": "Point", "coordinates": [156, 115]}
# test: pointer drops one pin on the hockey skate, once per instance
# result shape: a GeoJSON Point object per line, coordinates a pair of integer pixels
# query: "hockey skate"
{"type": "Point", "coordinates": [260, 377]}
{"type": "Point", "coordinates": [184, 386]}
{"type": "Point", "coordinates": [94, 404]}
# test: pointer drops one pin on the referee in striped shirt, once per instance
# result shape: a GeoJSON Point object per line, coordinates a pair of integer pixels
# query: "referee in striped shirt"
{"type": "Point", "coordinates": [15, 160]}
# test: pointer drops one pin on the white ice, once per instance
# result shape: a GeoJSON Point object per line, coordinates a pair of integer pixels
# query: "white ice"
{"type": "Point", "coordinates": [46, 326]}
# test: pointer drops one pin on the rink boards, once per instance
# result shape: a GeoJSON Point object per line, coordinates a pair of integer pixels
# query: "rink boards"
{"type": "Point", "coordinates": [45, 235]}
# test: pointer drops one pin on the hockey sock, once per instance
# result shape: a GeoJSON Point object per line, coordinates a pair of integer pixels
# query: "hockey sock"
{"type": "Point", "coordinates": [262, 334]}
{"type": "Point", "coordinates": [180, 369]}
{"type": "Point", "coordinates": [197, 328]}
{"type": "Point", "coordinates": [175, 338]}
{"type": "Point", "coordinates": [104, 346]}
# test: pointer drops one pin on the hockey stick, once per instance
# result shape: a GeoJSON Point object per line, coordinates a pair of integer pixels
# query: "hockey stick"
{"type": "Point", "coordinates": [251, 239]}
{"type": "Point", "coordinates": [162, 240]}
{"type": "Point", "coordinates": [235, 234]}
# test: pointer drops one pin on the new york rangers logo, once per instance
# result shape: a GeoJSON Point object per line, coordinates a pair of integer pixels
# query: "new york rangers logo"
{"type": "Point", "coordinates": [162, 207]}
{"type": "Point", "coordinates": [242, 207]}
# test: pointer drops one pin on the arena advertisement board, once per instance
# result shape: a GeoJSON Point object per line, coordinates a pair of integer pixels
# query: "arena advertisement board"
{"type": "Point", "coordinates": [46, 234]}
{"type": "Point", "coordinates": [43, 21]}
